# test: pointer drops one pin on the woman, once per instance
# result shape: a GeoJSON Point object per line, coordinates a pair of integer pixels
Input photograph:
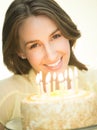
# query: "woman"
{"type": "Point", "coordinates": [38, 35]}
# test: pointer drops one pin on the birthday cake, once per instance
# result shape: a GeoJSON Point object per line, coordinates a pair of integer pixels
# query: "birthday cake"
{"type": "Point", "coordinates": [59, 110]}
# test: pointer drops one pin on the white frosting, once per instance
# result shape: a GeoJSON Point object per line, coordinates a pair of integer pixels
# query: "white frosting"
{"type": "Point", "coordinates": [58, 95]}
{"type": "Point", "coordinates": [60, 111]}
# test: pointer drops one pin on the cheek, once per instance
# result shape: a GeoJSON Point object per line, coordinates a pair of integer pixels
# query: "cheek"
{"type": "Point", "coordinates": [64, 46]}
{"type": "Point", "coordinates": [34, 59]}
{"type": "Point", "coordinates": [67, 48]}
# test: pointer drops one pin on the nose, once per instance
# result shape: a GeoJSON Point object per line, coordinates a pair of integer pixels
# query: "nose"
{"type": "Point", "coordinates": [50, 52]}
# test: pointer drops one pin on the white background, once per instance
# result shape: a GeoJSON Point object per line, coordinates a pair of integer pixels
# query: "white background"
{"type": "Point", "coordinates": [84, 14]}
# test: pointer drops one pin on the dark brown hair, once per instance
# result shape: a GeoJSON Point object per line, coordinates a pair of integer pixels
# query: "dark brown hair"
{"type": "Point", "coordinates": [17, 12]}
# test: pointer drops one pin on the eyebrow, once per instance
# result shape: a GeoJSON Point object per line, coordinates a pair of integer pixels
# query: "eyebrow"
{"type": "Point", "coordinates": [31, 41]}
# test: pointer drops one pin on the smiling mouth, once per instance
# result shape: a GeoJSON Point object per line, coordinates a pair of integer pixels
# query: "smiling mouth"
{"type": "Point", "coordinates": [55, 65]}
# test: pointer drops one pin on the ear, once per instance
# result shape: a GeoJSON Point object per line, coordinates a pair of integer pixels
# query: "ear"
{"type": "Point", "coordinates": [21, 55]}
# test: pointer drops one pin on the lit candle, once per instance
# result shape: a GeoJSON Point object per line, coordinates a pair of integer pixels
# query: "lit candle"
{"type": "Point", "coordinates": [71, 79]}
{"type": "Point", "coordinates": [37, 78]}
{"type": "Point", "coordinates": [41, 83]}
{"type": "Point", "coordinates": [37, 82]}
{"type": "Point", "coordinates": [65, 78]}
{"type": "Point", "coordinates": [61, 82]}
{"type": "Point", "coordinates": [54, 81]}
{"type": "Point", "coordinates": [48, 84]}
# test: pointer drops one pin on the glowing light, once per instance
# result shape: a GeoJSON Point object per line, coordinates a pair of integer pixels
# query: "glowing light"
{"type": "Point", "coordinates": [48, 84]}
{"type": "Point", "coordinates": [54, 81]}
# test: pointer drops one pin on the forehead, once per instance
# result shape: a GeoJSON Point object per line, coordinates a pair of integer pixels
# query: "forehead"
{"type": "Point", "coordinates": [37, 22]}
{"type": "Point", "coordinates": [36, 26]}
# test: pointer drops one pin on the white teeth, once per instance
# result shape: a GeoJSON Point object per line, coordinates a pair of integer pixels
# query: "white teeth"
{"type": "Point", "coordinates": [55, 64]}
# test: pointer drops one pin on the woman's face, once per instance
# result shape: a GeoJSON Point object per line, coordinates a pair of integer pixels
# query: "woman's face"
{"type": "Point", "coordinates": [43, 44]}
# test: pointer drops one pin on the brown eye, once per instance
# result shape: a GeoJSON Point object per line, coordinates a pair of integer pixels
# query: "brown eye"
{"type": "Point", "coordinates": [35, 45]}
{"type": "Point", "coordinates": [56, 36]}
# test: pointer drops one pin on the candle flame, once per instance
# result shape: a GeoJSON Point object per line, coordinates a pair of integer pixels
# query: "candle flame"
{"type": "Point", "coordinates": [65, 74]}
{"type": "Point", "coordinates": [48, 77]}
{"type": "Point", "coordinates": [38, 78]}
{"type": "Point", "coordinates": [60, 77]}
{"type": "Point", "coordinates": [40, 75]}
{"type": "Point", "coordinates": [70, 74]}
{"type": "Point", "coordinates": [54, 76]}
{"type": "Point", "coordinates": [67, 79]}
{"type": "Point", "coordinates": [40, 82]}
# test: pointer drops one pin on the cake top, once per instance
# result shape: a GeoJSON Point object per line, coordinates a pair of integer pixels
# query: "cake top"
{"type": "Point", "coordinates": [57, 95]}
